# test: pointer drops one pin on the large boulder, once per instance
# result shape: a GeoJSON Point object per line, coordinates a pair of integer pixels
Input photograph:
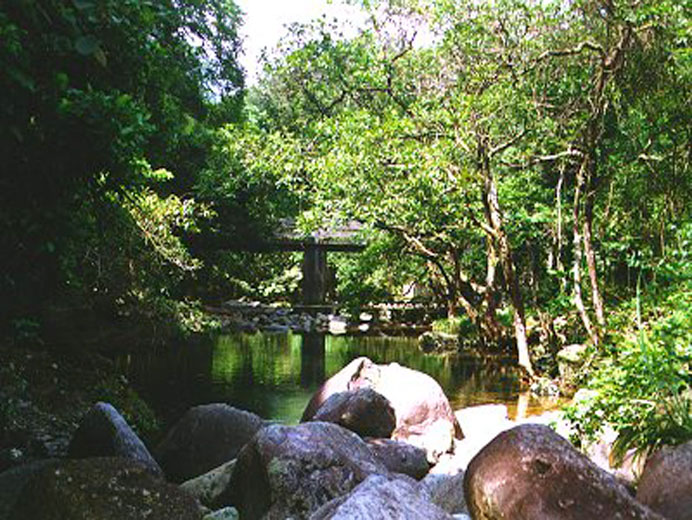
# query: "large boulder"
{"type": "Point", "coordinates": [103, 432]}
{"type": "Point", "coordinates": [103, 489]}
{"type": "Point", "coordinates": [530, 472]}
{"type": "Point", "coordinates": [205, 437]}
{"type": "Point", "coordinates": [666, 483]}
{"type": "Point", "coordinates": [424, 417]}
{"type": "Point", "coordinates": [13, 480]}
{"type": "Point", "coordinates": [400, 457]}
{"type": "Point", "coordinates": [363, 411]}
{"type": "Point", "coordinates": [381, 496]}
{"type": "Point", "coordinates": [290, 471]}
{"type": "Point", "coordinates": [209, 487]}
{"type": "Point", "coordinates": [446, 490]}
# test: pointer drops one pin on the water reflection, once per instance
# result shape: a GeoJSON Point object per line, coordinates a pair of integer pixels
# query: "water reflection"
{"type": "Point", "coordinates": [275, 375]}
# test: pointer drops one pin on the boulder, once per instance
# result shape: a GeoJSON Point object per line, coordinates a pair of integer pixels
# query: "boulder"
{"type": "Point", "coordinates": [381, 496]}
{"type": "Point", "coordinates": [209, 487]}
{"type": "Point", "coordinates": [530, 472]}
{"type": "Point", "coordinates": [569, 362]}
{"type": "Point", "coordinates": [400, 457]}
{"type": "Point", "coordinates": [103, 432]}
{"type": "Point", "coordinates": [362, 411]}
{"type": "Point", "coordinates": [103, 489]}
{"type": "Point", "coordinates": [446, 491]}
{"type": "Point", "coordinates": [438, 342]}
{"type": "Point", "coordinates": [13, 480]}
{"type": "Point", "coordinates": [600, 451]}
{"type": "Point", "coordinates": [205, 437]}
{"type": "Point", "coordinates": [666, 483]}
{"type": "Point", "coordinates": [424, 417]}
{"type": "Point", "coordinates": [290, 471]}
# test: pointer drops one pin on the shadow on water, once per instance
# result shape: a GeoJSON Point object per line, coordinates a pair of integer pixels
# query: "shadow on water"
{"type": "Point", "coordinates": [274, 375]}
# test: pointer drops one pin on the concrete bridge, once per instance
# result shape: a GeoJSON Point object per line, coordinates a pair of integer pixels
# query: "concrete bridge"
{"type": "Point", "coordinates": [315, 246]}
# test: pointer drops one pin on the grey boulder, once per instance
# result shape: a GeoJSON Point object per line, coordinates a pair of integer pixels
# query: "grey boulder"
{"type": "Point", "coordinates": [205, 437]}
{"type": "Point", "coordinates": [381, 496]}
{"type": "Point", "coordinates": [103, 432]}
{"type": "Point", "coordinates": [291, 471]}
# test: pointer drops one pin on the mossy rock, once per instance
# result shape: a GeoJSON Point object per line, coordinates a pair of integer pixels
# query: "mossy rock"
{"type": "Point", "coordinates": [102, 489]}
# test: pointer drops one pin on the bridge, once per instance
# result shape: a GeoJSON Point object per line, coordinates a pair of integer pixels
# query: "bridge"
{"type": "Point", "coordinates": [315, 246]}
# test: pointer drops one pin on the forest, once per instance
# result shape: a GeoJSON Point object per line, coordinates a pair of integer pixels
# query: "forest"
{"type": "Point", "coordinates": [526, 163]}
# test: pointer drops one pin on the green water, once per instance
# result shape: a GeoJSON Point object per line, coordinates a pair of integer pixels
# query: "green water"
{"type": "Point", "coordinates": [274, 375]}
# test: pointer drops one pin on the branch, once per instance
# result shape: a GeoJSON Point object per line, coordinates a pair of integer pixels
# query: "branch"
{"type": "Point", "coordinates": [502, 147]}
{"type": "Point", "coordinates": [586, 45]}
{"type": "Point", "coordinates": [570, 152]}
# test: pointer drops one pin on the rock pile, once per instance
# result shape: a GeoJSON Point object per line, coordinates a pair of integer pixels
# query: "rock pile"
{"type": "Point", "coordinates": [378, 441]}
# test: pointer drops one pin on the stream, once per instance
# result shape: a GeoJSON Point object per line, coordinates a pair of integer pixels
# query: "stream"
{"type": "Point", "coordinates": [274, 375]}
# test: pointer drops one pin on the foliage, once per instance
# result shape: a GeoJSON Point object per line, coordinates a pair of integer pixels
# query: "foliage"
{"type": "Point", "coordinates": [644, 385]}
{"type": "Point", "coordinates": [522, 155]}
{"type": "Point", "coordinates": [102, 101]}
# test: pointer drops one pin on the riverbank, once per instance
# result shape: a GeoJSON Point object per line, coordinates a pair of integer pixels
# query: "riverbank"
{"type": "Point", "coordinates": [388, 319]}
{"type": "Point", "coordinates": [44, 392]}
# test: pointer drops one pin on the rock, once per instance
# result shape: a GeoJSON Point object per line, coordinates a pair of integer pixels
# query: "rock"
{"type": "Point", "coordinates": [208, 488]}
{"type": "Point", "coordinates": [423, 415]}
{"type": "Point", "coordinates": [569, 361]}
{"type": "Point", "coordinates": [103, 432]}
{"type": "Point", "coordinates": [290, 471]}
{"type": "Point", "coordinates": [600, 452]}
{"type": "Point", "coordinates": [227, 513]}
{"type": "Point", "coordinates": [400, 457]}
{"type": "Point", "coordinates": [103, 489]}
{"type": "Point", "coordinates": [381, 496]}
{"type": "Point", "coordinates": [438, 342]}
{"type": "Point", "coordinates": [666, 483]}
{"type": "Point", "coordinates": [276, 328]}
{"type": "Point", "coordinates": [362, 411]}
{"type": "Point", "coordinates": [204, 438]}
{"type": "Point", "coordinates": [13, 480]}
{"type": "Point", "coordinates": [446, 491]}
{"type": "Point", "coordinates": [530, 472]}
{"type": "Point", "coordinates": [337, 325]}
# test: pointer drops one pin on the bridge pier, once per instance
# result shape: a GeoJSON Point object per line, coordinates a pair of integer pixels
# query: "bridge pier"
{"type": "Point", "coordinates": [314, 275]}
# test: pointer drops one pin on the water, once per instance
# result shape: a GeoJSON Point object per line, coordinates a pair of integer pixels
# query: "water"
{"type": "Point", "coordinates": [274, 375]}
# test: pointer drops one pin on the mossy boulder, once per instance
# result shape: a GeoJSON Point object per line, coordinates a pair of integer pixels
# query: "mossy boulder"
{"type": "Point", "coordinates": [102, 489]}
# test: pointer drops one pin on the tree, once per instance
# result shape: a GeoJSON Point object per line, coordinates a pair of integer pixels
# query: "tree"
{"type": "Point", "coordinates": [94, 94]}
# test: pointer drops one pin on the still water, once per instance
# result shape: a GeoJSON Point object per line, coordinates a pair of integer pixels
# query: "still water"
{"type": "Point", "coordinates": [274, 375]}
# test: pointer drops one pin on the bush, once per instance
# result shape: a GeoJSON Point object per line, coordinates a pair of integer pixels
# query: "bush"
{"type": "Point", "coordinates": [643, 383]}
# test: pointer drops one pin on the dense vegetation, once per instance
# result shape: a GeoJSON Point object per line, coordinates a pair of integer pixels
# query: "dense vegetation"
{"type": "Point", "coordinates": [527, 163]}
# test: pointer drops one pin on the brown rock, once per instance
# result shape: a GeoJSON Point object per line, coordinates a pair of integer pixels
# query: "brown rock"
{"type": "Point", "coordinates": [530, 472]}
{"type": "Point", "coordinates": [206, 437]}
{"type": "Point", "coordinates": [362, 411]}
{"type": "Point", "coordinates": [666, 483]}
{"type": "Point", "coordinates": [102, 489]}
{"type": "Point", "coordinates": [424, 417]}
{"type": "Point", "coordinates": [290, 471]}
{"type": "Point", "coordinates": [400, 457]}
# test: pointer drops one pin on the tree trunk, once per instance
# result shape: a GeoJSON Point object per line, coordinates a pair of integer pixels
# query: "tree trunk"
{"type": "Point", "coordinates": [503, 252]}
{"type": "Point", "coordinates": [591, 262]}
{"type": "Point", "coordinates": [577, 243]}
